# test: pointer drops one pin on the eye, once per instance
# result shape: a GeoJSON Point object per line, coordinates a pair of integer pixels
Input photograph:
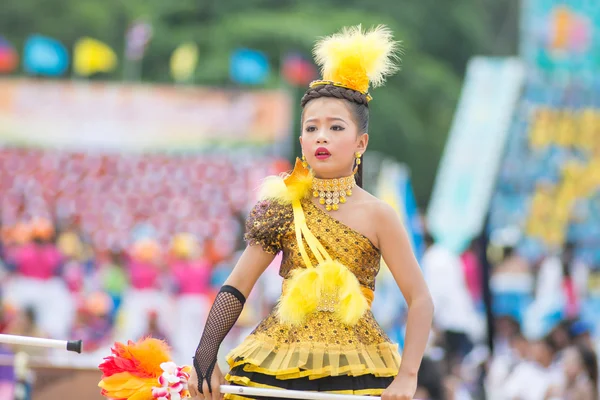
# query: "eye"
{"type": "Point", "coordinates": [310, 128]}
{"type": "Point", "coordinates": [337, 128]}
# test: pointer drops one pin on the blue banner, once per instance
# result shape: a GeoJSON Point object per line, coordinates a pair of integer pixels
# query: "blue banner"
{"type": "Point", "coordinates": [471, 160]}
{"type": "Point", "coordinates": [394, 187]}
{"type": "Point", "coordinates": [413, 219]}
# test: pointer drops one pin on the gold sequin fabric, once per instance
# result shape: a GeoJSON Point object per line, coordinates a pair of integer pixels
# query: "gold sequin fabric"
{"type": "Point", "coordinates": [271, 225]}
{"type": "Point", "coordinates": [322, 346]}
{"type": "Point", "coordinates": [268, 222]}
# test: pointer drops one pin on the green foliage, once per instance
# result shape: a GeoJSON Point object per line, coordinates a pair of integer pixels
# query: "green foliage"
{"type": "Point", "coordinates": [411, 115]}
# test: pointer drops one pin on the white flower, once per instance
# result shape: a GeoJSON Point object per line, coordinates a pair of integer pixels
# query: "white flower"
{"type": "Point", "coordinates": [160, 393]}
{"type": "Point", "coordinates": [170, 372]}
{"type": "Point", "coordinates": [169, 367]}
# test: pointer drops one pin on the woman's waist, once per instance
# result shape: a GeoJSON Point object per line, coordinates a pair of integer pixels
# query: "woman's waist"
{"type": "Point", "coordinates": [364, 273]}
{"type": "Point", "coordinates": [367, 292]}
{"type": "Point", "coordinates": [322, 327]}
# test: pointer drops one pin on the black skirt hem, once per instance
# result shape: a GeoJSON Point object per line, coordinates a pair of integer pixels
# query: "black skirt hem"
{"type": "Point", "coordinates": [367, 384]}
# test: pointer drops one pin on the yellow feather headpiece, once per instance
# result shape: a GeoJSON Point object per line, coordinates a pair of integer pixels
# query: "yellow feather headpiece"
{"type": "Point", "coordinates": [356, 59]}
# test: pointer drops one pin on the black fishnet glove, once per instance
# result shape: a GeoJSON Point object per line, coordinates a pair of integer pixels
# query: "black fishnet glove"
{"type": "Point", "coordinates": [224, 312]}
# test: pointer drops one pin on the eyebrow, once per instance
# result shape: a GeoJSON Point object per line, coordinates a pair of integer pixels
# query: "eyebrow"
{"type": "Point", "coordinates": [328, 118]}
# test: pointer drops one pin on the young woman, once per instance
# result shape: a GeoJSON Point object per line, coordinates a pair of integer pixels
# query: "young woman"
{"type": "Point", "coordinates": [322, 335]}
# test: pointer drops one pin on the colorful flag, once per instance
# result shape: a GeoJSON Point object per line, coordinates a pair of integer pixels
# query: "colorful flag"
{"type": "Point", "coordinates": [91, 56]}
{"type": "Point", "coordinates": [8, 56]}
{"type": "Point", "coordinates": [137, 38]}
{"type": "Point", "coordinates": [297, 70]}
{"type": "Point", "coordinates": [183, 61]}
{"type": "Point", "coordinates": [249, 67]}
{"type": "Point", "coordinates": [45, 56]}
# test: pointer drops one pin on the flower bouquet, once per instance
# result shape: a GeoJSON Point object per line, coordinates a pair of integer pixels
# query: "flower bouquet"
{"type": "Point", "coordinates": [143, 370]}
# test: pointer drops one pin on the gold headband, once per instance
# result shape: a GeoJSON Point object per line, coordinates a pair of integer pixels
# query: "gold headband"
{"type": "Point", "coordinates": [314, 84]}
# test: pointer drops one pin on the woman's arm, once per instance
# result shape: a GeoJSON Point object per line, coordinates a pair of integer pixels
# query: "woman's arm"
{"type": "Point", "coordinates": [225, 311]}
{"type": "Point", "coordinates": [252, 263]}
{"type": "Point", "coordinates": [398, 255]}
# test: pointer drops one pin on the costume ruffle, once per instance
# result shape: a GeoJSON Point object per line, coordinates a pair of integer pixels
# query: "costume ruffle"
{"type": "Point", "coordinates": [364, 385]}
{"type": "Point", "coordinates": [314, 359]}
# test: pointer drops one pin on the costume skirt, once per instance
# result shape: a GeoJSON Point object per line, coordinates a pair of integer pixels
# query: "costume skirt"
{"type": "Point", "coordinates": [365, 385]}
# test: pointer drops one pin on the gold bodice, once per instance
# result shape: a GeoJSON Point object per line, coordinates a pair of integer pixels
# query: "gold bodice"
{"type": "Point", "coordinates": [271, 225]}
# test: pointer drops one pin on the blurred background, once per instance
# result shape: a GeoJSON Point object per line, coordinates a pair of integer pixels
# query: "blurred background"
{"type": "Point", "coordinates": [133, 136]}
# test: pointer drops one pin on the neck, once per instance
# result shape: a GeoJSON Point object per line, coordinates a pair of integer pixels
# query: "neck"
{"type": "Point", "coordinates": [332, 175]}
{"type": "Point", "coordinates": [322, 178]}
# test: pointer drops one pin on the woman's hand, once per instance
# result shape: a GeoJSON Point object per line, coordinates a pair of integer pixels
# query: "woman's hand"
{"type": "Point", "coordinates": [403, 387]}
{"type": "Point", "coordinates": [216, 380]}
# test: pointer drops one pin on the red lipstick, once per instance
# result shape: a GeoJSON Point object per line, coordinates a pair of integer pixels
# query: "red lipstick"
{"type": "Point", "coordinates": [322, 153]}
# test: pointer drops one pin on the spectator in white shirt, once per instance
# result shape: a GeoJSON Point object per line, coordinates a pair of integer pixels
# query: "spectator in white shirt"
{"type": "Point", "coordinates": [455, 313]}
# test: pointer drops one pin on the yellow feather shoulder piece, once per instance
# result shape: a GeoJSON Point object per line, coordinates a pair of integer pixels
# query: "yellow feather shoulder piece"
{"type": "Point", "coordinates": [295, 186]}
{"type": "Point", "coordinates": [355, 58]}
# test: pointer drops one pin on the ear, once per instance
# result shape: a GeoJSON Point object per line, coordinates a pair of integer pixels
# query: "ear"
{"type": "Point", "coordinates": [300, 138]}
{"type": "Point", "coordinates": [362, 143]}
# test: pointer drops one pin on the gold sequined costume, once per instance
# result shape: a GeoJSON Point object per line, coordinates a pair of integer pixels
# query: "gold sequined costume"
{"type": "Point", "coordinates": [275, 355]}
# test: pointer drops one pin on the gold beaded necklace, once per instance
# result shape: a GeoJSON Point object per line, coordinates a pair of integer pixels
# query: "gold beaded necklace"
{"type": "Point", "coordinates": [333, 192]}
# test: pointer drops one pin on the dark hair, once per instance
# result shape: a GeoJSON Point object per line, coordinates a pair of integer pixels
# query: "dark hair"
{"type": "Point", "coordinates": [359, 108]}
{"type": "Point", "coordinates": [430, 378]}
{"type": "Point", "coordinates": [567, 258]}
{"type": "Point", "coordinates": [590, 363]}
{"type": "Point", "coordinates": [30, 314]}
{"type": "Point", "coordinates": [551, 344]}
{"type": "Point", "coordinates": [428, 239]}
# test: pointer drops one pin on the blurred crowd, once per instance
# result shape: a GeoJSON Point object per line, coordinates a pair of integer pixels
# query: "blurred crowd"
{"type": "Point", "coordinates": [545, 323]}
{"type": "Point", "coordinates": [108, 247]}
{"type": "Point", "coordinates": [71, 269]}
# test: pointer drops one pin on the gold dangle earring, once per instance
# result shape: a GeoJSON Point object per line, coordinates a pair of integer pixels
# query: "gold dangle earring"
{"type": "Point", "coordinates": [358, 155]}
{"type": "Point", "coordinates": [304, 163]}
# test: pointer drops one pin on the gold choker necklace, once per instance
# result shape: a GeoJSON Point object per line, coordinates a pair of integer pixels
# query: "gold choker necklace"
{"type": "Point", "coordinates": [333, 192]}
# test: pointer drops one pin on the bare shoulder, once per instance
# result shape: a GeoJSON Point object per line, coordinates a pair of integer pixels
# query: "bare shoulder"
{"type": "Point", "coordinates": [379, 211]}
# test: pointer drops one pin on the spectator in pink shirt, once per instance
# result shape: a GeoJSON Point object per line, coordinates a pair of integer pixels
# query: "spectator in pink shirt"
{"type": "Point", "coordinates": [38, 259]}
{"type": "Point", "coordinates": [144, 295]}
{"type": "Point", "coordinates": [191, 274]}
{"type": "Point", "coordinates": [37, 281]}
{"type": "Point", "coordinates": [472, 272]}
{"type": "Point", "coordinates": [143, 274]}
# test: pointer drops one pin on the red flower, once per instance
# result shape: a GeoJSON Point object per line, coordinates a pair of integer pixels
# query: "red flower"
{"type": "Point", "coordinates": [121, 360]}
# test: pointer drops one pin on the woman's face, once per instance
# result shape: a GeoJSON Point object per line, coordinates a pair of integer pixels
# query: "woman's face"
{"type": "Point", "coordinates": [330, 138]}
{"type": "Point", "coordinates": [541, 353]}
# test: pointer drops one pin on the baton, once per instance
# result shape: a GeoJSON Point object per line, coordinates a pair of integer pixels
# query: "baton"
{"type": "Point", "coordinates": [69, 345]}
